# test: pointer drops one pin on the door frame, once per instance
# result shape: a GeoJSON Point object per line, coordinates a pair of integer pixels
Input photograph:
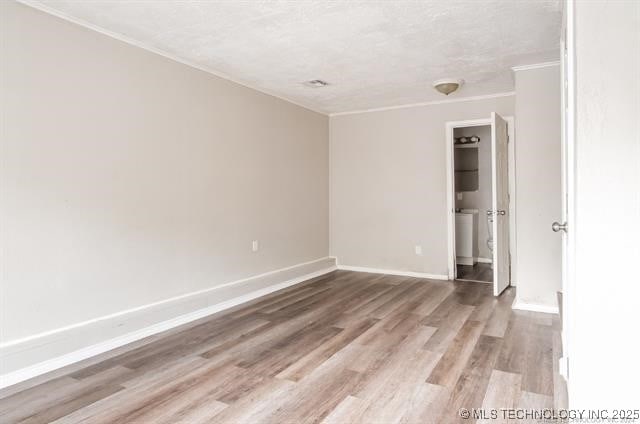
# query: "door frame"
{"type": "Point", "coordinates": [568, 154]}
{"type": "Point", "coordinates": [450, 126]}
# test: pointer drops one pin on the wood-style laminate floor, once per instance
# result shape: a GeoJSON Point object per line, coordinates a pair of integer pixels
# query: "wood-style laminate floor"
{"type": "Point", "coordinates": [478, 272]}
{"type": "Point", "coordinates": [345, 347]}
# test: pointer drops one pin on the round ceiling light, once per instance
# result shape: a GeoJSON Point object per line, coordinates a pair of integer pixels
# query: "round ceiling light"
{"type": "Point", "coordinates": [448, 85]}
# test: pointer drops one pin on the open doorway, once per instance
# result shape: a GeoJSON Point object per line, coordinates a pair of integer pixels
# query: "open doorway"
{"type": "Point", "coordinates": [481, 200]}
{"type": "Point", "coordinates": [473, 215]}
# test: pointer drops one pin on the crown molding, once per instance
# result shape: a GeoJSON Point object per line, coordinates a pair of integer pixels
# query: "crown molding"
{"type": "Point", "coordinates": [125, 39]}
{"type": "Point", "coordinates": [535, 66]}
{"type": "Point", "coordinates": [435, 102]}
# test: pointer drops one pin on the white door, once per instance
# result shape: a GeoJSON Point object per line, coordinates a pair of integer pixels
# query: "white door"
{"type": "Point", "coordinates": [500, 203]}
{"type": "Point", "coordinates": [568, 179]}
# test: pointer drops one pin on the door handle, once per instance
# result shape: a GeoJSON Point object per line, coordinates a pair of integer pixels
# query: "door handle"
{"type": "Point", "coordinates": [501, 212]}
{"type": "Point", "coordinates": [556, 226]}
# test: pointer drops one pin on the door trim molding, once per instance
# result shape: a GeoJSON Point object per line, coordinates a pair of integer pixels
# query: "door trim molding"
{"type": "Point", "coordinates": [451, 235]}
{"type": "Point", "coordinates": [568, 98]}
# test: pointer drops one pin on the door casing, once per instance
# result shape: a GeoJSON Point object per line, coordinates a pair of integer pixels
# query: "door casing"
{"type": "Point", "coordinates": [450, 126]}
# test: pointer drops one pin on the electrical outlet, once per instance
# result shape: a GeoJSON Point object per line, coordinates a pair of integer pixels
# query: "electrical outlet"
{"type": "Point", "coordinates": [255, 246]}
{"type": "Point", "coordinates": [459, 196]}
{"type": "Point", "coordinates": [418, 250]}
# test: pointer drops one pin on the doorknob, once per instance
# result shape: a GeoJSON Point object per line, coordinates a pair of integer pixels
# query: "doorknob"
{"type": "Point", "coordinates": [501, 212]}
{"type": "Point", "coordinates": [556, 226]}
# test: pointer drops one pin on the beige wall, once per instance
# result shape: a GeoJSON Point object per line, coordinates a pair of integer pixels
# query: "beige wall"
{"type": "Point", "coordinates": [388, 184]}
{"type": "Point", "coordinates": [538, 185]}
{"type": "Point", "coordinates": [128, 178]}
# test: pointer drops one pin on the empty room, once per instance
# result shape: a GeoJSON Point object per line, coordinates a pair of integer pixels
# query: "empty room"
{"type": "Point", "coordinates": [319, 211]}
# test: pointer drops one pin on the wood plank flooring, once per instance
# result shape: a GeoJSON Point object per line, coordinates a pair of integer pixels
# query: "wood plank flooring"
{"type": "Point", "coordinates": [477, 272]}
{"type": "Point", "coordinates": [343, 348]}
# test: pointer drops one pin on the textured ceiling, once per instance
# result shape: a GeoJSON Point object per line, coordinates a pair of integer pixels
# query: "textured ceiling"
{"type": "Point", "coordinates": [373, 53]}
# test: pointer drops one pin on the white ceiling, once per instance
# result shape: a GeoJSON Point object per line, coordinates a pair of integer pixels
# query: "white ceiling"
{"type": "Point", "coordinates": [373, 53]}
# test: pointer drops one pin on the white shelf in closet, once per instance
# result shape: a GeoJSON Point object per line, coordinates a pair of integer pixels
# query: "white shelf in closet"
{"type": "Point", "coordinates": [467, 145]}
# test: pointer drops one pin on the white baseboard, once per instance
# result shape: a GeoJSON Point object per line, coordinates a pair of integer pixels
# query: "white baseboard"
{"type": "Point", "coordinates": [534, 307]}
{"type": "Point", "coordinates": [36, 355]}
{"type": "Point", "coordinates": [393, 272]}
{"type": "Point", "coordinates": [484, 260]}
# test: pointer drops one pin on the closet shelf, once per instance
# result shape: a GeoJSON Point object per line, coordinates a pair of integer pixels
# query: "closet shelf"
{"type": "Point", "coordinates": [467, 145]}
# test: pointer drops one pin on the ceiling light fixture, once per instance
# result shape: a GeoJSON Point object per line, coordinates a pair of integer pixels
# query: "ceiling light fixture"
{"type": "Point", "coordinates": [316, 83]}
{"type": "Point", "coordinates": [448, 85]}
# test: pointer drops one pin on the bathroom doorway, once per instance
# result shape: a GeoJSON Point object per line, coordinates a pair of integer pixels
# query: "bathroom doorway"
{"type": "Point", "coordinates": [478, 154]}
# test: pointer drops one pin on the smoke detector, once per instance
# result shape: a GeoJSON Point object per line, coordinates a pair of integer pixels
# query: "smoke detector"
{"type": "Point", "coordinates": [447, 86]}
{"type": "Point", "coordinates": [316, 83]}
